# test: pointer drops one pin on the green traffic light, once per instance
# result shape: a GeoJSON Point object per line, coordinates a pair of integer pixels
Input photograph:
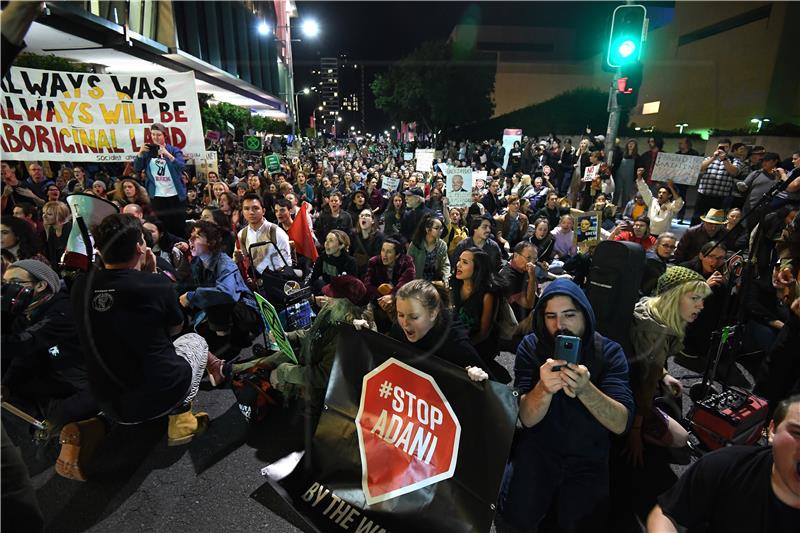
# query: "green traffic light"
{"type": "Point", "coordinates": [626, 48]}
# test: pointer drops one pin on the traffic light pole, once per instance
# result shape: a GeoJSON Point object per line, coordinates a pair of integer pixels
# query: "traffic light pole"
{"type": "Point", "coordinates": [613, 120]}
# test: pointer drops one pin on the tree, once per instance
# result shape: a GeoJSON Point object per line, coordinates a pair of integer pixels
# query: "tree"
{"type": "Point", "coordinates": [50, 62]}
{"type": "Point", "coordinates": [217, 117]}
{"type": "Point", "coordinates": [438, 87]}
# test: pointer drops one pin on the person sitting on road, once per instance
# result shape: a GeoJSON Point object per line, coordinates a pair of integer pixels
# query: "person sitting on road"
{"type": "Point", "coordinates": [333, 261]}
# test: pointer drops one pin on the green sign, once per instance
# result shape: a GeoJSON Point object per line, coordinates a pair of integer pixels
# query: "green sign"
{"type": "Point", "coordinates": [253, 143]}
{"type": "Point", "coordinates": [275, 327]}
{"type": "Point", "coordinates": [272, 162]}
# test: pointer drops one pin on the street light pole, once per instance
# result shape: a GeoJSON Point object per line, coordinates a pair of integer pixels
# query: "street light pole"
{"type": "Point", "coordinates": [613, 120]}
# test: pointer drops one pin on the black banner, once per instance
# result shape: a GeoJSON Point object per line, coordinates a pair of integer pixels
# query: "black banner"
{"type": "Point", "coordinates": [405, 442]}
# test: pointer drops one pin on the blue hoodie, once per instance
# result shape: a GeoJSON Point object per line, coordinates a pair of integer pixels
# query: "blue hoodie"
{"type": "Point", "coordinates": [569, 429]}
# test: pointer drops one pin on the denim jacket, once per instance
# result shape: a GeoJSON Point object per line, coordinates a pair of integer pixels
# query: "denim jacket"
{"type": "Point", "coordinates": [142, 161]}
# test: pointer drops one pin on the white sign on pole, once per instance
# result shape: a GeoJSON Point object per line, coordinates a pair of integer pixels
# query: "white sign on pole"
{"type": "Point", "coordinates": [458, 187]}
{"type": "Point", "coordinates": [679, 168]}
{"type": "Point", "coordinates": [207, 163]}
{"type": "Point", "coordinates": [65, 116]}
{"type": "Point", "coordinates": [390, 184]}
{"type": "Point", "coordinates": [424, 159]}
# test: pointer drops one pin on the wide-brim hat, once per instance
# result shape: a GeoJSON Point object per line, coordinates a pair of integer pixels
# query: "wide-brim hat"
{"type": "Point", "coordinates": [715, 216]}
{"type": "Point", "coordinates": [349, 287]}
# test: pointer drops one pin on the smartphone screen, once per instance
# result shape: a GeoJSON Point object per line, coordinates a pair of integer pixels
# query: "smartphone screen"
{"type": "Point", "coordinates": [567, 348]}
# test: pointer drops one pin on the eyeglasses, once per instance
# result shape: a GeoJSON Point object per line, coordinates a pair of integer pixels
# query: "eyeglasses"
{"type": "Point", "coordinates": [668, 246]}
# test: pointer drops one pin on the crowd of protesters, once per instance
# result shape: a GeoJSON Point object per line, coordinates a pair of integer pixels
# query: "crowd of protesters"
{"type": "Point", "coordinates": [173, 296]}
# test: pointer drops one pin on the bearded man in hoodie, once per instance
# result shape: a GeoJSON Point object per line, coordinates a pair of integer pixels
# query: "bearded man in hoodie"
{"type": "Point", "coordinates": [568, 412]}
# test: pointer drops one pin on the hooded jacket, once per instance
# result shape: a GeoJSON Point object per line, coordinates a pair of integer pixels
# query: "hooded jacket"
{"type": "Point", "coordinates": [652, 343]}
{"type": "Point", "coordinates": [569, 429]}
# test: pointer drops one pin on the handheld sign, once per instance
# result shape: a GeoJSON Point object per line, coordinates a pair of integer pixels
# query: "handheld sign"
{"type": "Point", "coordinates": [679, 168]}
{"type": "Point", "coordinates": [271, 317]}
{"type": "Point", "coordinates": [273, 163]}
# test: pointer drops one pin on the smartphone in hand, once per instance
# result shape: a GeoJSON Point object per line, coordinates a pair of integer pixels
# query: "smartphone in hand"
{"type": "Point", "coordinates": [567, 348]}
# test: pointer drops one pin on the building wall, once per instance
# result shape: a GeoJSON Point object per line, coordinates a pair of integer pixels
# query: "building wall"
{"type": "Point", "coordinates": [715, 66]}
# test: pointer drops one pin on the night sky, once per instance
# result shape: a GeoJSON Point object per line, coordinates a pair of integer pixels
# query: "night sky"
{"type": "Point", "coordinates": [378, 33]}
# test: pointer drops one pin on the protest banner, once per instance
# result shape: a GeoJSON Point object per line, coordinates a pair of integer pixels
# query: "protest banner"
{"type": "Point", "coordinates": [390, 184]}
{"type": "Point", "coordinates": [405, 442]}
{"type": "Point", "coordinates": [65, 116]}
{"type": "Point", "coordinates": [213, 135]}
{"type": "Point", "coordinates": [274, 325]}
{"type": "Point", "coordinates": [253, 143]}
{"type": "Point", "coordinates": [587, 226]}
{"type": "Point", "coordinates": [408, 156]}
{"type": "Point", "coordinates": [459, 187]}
{"type": "Point", "coordinates": [680, 168]}
{"type": "Point", "coordinates": [207, 163]}
{"type": "Point", "coordinates": [479, 179]}
{"type": "Point", "coordinates": [510, 136]}
{"type": "Point", "coordinates": [272, 162]}
{"type": "Point", "coordinates": [424, 159]}
{"type": "Point", "coordinates": [590, 173]}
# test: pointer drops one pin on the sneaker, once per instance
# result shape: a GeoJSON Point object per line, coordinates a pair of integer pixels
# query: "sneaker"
{"type": "Point", "coordinates": [79, 440]}
{"type": "Point", "coordinates": [215, 368]}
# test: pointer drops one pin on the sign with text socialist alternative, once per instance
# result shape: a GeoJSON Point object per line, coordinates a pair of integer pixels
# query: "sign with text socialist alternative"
{"type": "Point", "coordinates": [405, 442]}
{"type": "Point", "coordinates": [79, 116]}
{"type": "Point", "coordinates": [679, 168]}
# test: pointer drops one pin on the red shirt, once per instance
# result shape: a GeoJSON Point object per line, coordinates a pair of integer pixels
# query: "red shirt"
{"type": "Point", "coordinates": [646, 242]}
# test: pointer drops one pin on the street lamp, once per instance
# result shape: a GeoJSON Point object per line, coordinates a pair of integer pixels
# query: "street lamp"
{"type": "Point", "coordinates": [263, 28]}
{"type": "Point", "coordinates": [338, 119]}
{"type": "Point", "coordinates": [759, 122]}
{"type": "Point", "coordinates": [310, 28]}
{"type": "Point", "coordinates": [393, 126]}
{"type": "Point", "coordinates": [680, 127]}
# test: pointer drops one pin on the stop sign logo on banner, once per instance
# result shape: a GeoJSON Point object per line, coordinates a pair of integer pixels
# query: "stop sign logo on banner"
{"type": "Point", "coordinates": [408, 435]}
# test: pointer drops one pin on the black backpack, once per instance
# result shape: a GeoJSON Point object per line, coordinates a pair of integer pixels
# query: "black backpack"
{"type": "Point", "coordinates": [613, 288]}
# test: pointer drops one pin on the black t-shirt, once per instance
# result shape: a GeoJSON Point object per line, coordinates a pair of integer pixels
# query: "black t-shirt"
{"type": "Point", "coordinates": [730, 490]}
{"type": "Point", "coordinates": [127, 314]}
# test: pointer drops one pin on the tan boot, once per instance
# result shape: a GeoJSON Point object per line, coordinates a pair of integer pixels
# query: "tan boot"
{"type": "Point", "coordinates": [183, 427]}
{"type": "Point", "coordinates": [79, 440]}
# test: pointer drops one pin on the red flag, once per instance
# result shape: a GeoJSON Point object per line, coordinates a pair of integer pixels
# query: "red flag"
{"type": "Point", "coordinates": [300, 233]}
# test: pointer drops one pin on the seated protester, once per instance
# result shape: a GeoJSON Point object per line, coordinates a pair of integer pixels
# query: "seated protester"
{"type": "Point", "coordinates": [639, 233]}
{"type": "Point", "coordinates": [333, 218]}
{"type": "Point", "coordinates": [551, 211]}
{"type": "Point", "coordinates": [491, 201]}
{"type": "Point", "coordinates": [635, 208]}
{"type": "Point", "coordinates": [766, 304]}
{"type": "Point", "coordinates": [386, 273]}
{"type": "Point", "coordinates": [57, 221]}
{"type": "Point", "coordinates": [358, 202]}
{"type": "Point", "coordinates": [538, 193]}
{"type": "Point", "coordinates": [394, 214]}
{"type": "Point", "coordinates": [454, 231]}
{"type": "Point", "coordinates": [695, 237]}
{"type": "Point", "coordinates": [225, 311]}
{"type": "Point", "coordinates": [194, 204]}
{"type": "Point", "coordinates": [779, 373]}
{"type": "Point", "coordinates": [163, 242]}
{"type": "Point", "coordinates": [229, 204]}
{"type": "Point", "coordinates": [333, 261]}
{"type": "Point", "coordinates": [165, 264]}
{"type": "Point", "coordinates": [661, 209]}
{"type": "Point", "coordinates": [519, 279]}
{"type": "Point", "coordinates": [709, 263]}
{"type": "Point", "coordinates": [345, 300]}
{"type": "Point", "coordinates": [659, 324]}
{"type": "Point", "coordinates": [415, 212]}
{"type": "Point", "coordinates": [480, 230]}
{"type": "Point", "coordinates": [429, 252]}
{"type": "Point", "coordinates": [512, 226]}
{"type": "Point", "coordinates": [221, 220]}
{"type": "Point", "coordinates": [543, 240]}
{"type": "Point", "coordinates": [739, 488]}
{"type": "Point", "coordinates": [19, 241]}
{"type": "Point", "coordinates": [365, 240]}
{"type": "Point", "coordinates": [136, 374]}
{"type": "Point", "coordinates": [476, 208]}
{"type": "Point", "coordinates": [275, 257]}
{"type": "Point", "coordinates": [733, 234]}
{"type": "Point", "coordinates": [283, 213]}
{"type": "Point", "coordinates": [477, 291]}
{"type": "Point", "coordinates": [30, 214]}
{"type": "Point", "coordinates": [568, 412]}
{"type": "Point", "coordinates": [424, 321]}
{"type": "Point", "coordinates": [42, 360]}
{"type": "Point", "coordinates": [657, 259]}
{"type": "Point", "coordinates": [564, 237]}
{"type": "Point", "coordinates": [606, 210]}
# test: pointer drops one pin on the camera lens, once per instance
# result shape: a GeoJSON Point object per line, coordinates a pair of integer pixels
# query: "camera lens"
{"type": "Point", "coordinates": [568, 345]}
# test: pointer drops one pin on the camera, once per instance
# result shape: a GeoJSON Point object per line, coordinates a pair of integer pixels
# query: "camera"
{"type": "Point", "coordinates": [15, 298]}
{"type": "Point", "coordinates": [153, 149]}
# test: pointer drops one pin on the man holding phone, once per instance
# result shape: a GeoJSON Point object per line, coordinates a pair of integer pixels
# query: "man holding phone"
{"type": "Point", "coordinates": [568, 410]}
{"type": "Point", "coordinates": [718, 174]}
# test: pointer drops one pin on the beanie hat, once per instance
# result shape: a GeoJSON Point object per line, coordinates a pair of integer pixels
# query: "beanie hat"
{"type": "Point", "coordinates": [41, 272]}
{"type": "Point", "coordinates": [674, 276]}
